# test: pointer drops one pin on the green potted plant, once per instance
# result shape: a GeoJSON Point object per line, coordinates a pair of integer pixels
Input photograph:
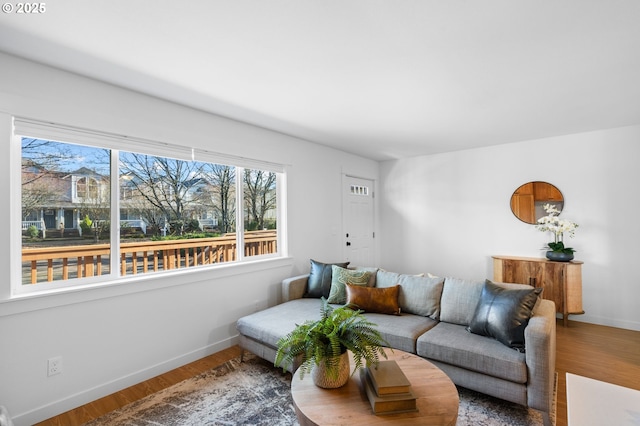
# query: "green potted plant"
{"type": "Point", "coordinates": [321, 346]}
{"type": "Point", "coordinates": [552, 223]}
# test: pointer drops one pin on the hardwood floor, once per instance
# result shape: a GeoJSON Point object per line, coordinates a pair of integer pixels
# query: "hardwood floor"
{"type": "Point", "coordinates": [126, 396]}
{"type": "Point", "coordinates": [602, 353]}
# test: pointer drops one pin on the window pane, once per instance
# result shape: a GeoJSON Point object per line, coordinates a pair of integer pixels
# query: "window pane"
{"type": "Point", "coordinates": [260, 212]}
{"type": "Point", "coordinates": [170, 213]}
{"type": "Point", "coordinates": [174, 213]}
{"type": "Point", "coordinates": [65, 211]}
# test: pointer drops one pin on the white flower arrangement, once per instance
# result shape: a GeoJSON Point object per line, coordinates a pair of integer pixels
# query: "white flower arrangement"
{"type": "Point", "coordinates": [552, 223]}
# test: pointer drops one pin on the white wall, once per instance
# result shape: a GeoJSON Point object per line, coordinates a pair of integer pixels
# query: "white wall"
{"type": "Point", "coordinates": [447, 214]}
{"type": "Point", "coordinates": [112, 338]}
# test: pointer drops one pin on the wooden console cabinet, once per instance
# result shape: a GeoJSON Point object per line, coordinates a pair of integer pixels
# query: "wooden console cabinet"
{"type": "Point", "coordinates": [561, 281]}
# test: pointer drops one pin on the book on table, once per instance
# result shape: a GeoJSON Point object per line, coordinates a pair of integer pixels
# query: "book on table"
{"type": "Point", "coordinates": [387, 388]}
{"type": "Point", "coordinates": [390, 403]}
{"type": "Point", "coordinates": [387, 378]}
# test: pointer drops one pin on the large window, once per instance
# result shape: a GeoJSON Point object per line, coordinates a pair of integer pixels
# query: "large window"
{"type": "Point", "coordinates": [160, 213]}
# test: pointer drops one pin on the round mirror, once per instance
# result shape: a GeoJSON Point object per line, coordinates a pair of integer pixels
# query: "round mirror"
{"type": "Point", "coordinates": [528, 200]}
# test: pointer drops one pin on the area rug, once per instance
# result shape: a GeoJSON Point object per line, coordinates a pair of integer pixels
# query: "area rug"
{"type": "Point", "coordinates": [254, 392]}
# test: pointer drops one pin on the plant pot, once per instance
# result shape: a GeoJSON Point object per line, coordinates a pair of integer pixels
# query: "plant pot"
{"type": "Point", "coordinates": [324, 380]}
{"type": "Point", "coordinates": [558, 256]}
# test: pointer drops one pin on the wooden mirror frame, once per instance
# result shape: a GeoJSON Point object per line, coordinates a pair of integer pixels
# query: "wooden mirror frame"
{"type": "Point", "coordinates": [528, 200]}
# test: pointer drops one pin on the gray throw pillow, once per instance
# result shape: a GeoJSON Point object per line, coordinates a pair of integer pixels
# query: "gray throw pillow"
{"type": "Point", "coordinates": [418, 295]}
{"type": "Point", "coordinates": [459, 300]}
{"type": "Point", "coordinates": [386, 279]}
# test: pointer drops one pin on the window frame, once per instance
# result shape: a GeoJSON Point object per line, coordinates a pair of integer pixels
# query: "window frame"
{"type": "Point", "coordinates": [117, 143]}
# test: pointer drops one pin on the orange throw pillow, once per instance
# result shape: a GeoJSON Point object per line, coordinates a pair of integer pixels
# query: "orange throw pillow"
{"type": "Point", "coordinates": [373, 299]}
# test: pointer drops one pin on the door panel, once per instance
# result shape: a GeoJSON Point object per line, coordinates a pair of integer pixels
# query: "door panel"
{"type": "Point", "coordinates": [548, 276]}
{"type": "Point", "coordinates": [50, 219]}
{"type": "Point", "coordinates": [358, 221]}
{"type": "Point", "coordinates": [522, 273]}
{"type": "Point", "coordinates": [68, 219]}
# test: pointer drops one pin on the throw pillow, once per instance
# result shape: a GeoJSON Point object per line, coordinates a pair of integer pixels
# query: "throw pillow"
{"type": "Point", "coordinates": [340, 277]}
{"type": "Point", "coordinates": [459, 299]}
{"type": "Point", "coordinates": [503, 313]}
{"type": "Point", "coordinates": [378, 300]}
{"type": "Point", "coordinates": [421, 295]}
{"type": "Point", "coordinates": [418, 295]}
{"type": "Point", "coordinates": [387, 279]}
{"type": "Point", "coordinates": [319, 282]}
{"type": "Point", "coordinates": [372, 270]}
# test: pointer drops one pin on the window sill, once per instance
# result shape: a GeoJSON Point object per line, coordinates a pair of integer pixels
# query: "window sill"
{"type": "Point", "coordinates": [149, 282]}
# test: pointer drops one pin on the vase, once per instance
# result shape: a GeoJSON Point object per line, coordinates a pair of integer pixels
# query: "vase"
{"type": "Point", "coordinates": [558, 256]}
{"type": "Point", "coordinates": [322, 379]}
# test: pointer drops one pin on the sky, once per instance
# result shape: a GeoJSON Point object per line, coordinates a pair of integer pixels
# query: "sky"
{"type": "Point", "coordinates": [66, 157]}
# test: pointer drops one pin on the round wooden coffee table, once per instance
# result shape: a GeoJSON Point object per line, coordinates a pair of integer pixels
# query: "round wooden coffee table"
{"type": "Point", "coordinates": [437, 398]}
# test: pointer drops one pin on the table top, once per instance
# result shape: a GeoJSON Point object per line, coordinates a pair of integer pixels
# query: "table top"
{"type": "Point", "coordinates": [437, 398]}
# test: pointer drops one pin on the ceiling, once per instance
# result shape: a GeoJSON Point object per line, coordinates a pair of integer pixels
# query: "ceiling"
{"type": "Point", "coordinates": [384, 79]}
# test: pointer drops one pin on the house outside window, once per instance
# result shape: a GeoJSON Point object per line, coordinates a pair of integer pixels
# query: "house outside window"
{"type": "Point", "coordinates": [165, 213]}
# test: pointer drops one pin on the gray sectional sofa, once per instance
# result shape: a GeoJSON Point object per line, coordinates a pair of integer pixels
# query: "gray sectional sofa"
{"type": "Point", "coordinates": [434, 321]}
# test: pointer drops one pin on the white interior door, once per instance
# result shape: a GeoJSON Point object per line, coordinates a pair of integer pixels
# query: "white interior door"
{"type": "Point", "coordinates": [358, 220]}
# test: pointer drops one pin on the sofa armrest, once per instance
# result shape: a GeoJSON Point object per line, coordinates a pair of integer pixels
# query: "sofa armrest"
{"type": "Point", "coordinates": [294, 287]}
{"type": "Point", "coordinates": [540, 353]}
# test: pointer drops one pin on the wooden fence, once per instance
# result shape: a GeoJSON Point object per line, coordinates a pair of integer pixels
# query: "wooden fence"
{"type": "Point", "coordinates": [63, 263]}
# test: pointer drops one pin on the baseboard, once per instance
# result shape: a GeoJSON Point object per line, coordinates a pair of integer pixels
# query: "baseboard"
{"type": "Point", "coordinates": [606, 321]}
{"type": "Point", "coordinates": [81, 398]}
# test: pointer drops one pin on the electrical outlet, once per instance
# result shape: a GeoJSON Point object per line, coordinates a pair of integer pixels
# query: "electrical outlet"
{"type": "Point", "coordinates": [54, 366]}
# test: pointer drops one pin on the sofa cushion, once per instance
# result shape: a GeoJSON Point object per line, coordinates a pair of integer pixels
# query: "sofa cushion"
{"type": "Point", "coordinates": [319, 283]}
{"type": "Point", "coordinates": [459, 300]}
{"type": "Point", "coordinates": [503, 313]}
{"type": "Point", "coordinates": [389, 279]}
{"type": "Point", "coordinates": [402, 331]}
{"type": "Point", "coordinates": [453, 344]}
{"type": "Point", "coordinates": [419, 295]}
{"type": "Point", "coordinates": [269, 325]}
{"type": "Point", "coordinates": [386, 278]}
{"type": "Point", "coordinates": [378, 300]}
{"type": "Point", "coordinates": [340, 277]}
